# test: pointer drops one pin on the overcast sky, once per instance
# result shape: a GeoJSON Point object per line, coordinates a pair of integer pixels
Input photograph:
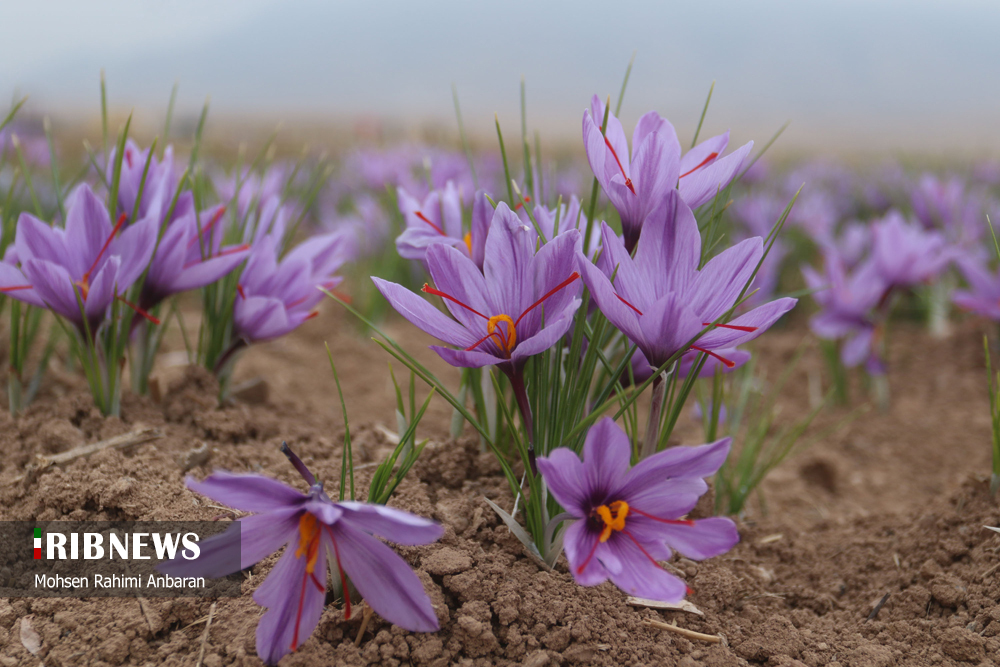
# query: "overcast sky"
{"type": "Point", "coordinates": [909, 74]}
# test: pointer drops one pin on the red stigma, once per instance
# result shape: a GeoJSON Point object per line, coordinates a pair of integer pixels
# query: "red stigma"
{"type": "Point", "coordinates": [14, 288]}
{"type": "Point", "coordinates": [239, 288]}
{"type": "Point", "coordinates": [423, 217]}
{"type": "Point", "coordinates": [726, 362]}
{"type": "Point", "coordinates": [711, 156]}
{"type": "Point", "coordinates": [628, 181]}
{"type": "Point", "coordinates": [573, 276]}
{"type": "Point", "coordinates": [676, 522]}
{"type": "Point", "coordinates": [430, 290]}
{"type": "Point", "coordinates": [590, 556]}
{"type": "Point", "coordinates": [85, 280]}
{"type": "Point", "coordinates": [629, 305]}
{"type": "Point", "coordinates": [211, 223]}
{"type": "Point", "coordinates": [138, 310]}
{"type": "Point", "coordinates": [735, 327]}
{"type": "Point", "coordinates": [311, 315]}
{"type": "Point", "coordinates": [128, 157]}
{"type": "Point", "coordinates": [222, 253]}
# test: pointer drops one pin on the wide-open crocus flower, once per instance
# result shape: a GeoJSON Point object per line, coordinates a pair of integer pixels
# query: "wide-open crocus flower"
{"type": "Point", "coordinates": [636, 185]}
{"type": "Point", "coordinates": [661, 300]}
{"type": "Point", "coordinates": [311, 527]}
{"type": "Point", "coordinates": [276, 297]}
{"type": "Point", "coordinates": [906, 255]}
{"type": "Point", "coordinates": [189, 256]}
{"type": "Point", "coordinates": [89, 260]}
{"type": "Point", "coordinates": [628, 519]}
{"type": "Point", "coordinates": [497, 313]}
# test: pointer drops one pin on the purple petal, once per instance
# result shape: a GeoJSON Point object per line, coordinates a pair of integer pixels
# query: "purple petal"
{"type": "Point", "coordinates": [391, 524]}
{"type": "Point", "coordinates": [606, 456]}
{"type": "Point", "coordinates": [11, 276]}
{"type": "Point", "coordinates": [701, 185]}
{"type": "Point", "coordinates": [721, 280]}
{"type": "Point", "coordinates": [510, 248]}
{"type": "Point", "coordinates": [669, 248]}
{"type": "Point", "coordinates": [760, 318]}
{"type": "Point", "coordinates": [705, 539]}
{"type": "Point", "coordinates": [384, 580]}
{"type": "Point", "coordinates": [54, 287]}
{"type": "Point", "coordinates": [676, 462]}
{"type": "Point", "coordinates": [294, 604]}
{"type": "Point", "coordinates": [208, 271]}
{"type": "Point", "coordinates": [467, 358]}
{"type": "Point", "coordinates": [249, 492]}
{"type": "Point", "coordinates": [640, 576]}
{"type": "Point", "coordinates": [619, 314]}
{"type": "Point", "coordinates": [456, 275]}
{"type": "Point", "coordinates": [423, 315]}
{"type": "Point", "coordinates": [579, 543]}
{"type": "Point", "coordinates": [566, 478]}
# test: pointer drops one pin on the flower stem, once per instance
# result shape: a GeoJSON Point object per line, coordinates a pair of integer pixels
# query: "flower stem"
{"type": "Point", "coordinates": [653, 427]}
{"type": "Point", "coordinates": [521, 394]}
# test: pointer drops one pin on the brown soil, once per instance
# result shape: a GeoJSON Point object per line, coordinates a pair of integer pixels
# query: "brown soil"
{"type": "Point", "coordinates": [891, 504]}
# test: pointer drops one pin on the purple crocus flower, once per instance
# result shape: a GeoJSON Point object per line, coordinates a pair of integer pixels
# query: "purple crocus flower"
{"type": "Point", "coordinates": [569, 216]}
{"type": "Point", "coordinates": [159, 188]}
{"type": "Point", "coordinates": [636, 186]}
{"type": "Point", "coordinates": [661, 300]}
{"type": "Point", "coordinates": [906, 255]}
{"type": "Point", "coordinates": [276, 297]}
{"type": "Point", "coordinates": [983, 295]}
{"type": "Point", "coordinates": [436, 219]}
{"type": "Point", "coordinates": [311, 527]}
{"type": "Point", "coordinates": [850, 306]}
{"type": "Point", "coordinates": [498, 313]}
{"type": "Point", "coordinates": [89, 260]}
{"type": "Point", "coordinates": [626, 520]}
{"type": "Point", "coordinates": [190, 255]}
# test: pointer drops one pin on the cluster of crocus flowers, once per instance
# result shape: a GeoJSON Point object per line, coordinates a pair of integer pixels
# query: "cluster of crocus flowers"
{"type": "Point", "coordinates": [625, 520]}
{"type": "Point", "coordinates": [318, 534]}
{"type": "Point", "coordinates": [661, 300]}
{"type": "Point", "coordinates": [78, 271]}
{"type": "Point", "coordinates": [637, 184]}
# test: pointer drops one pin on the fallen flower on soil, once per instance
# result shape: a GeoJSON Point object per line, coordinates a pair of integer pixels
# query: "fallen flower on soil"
{"type": "Point", "coordinates": [313, 527]}
{"type": "Point", "coordinates": [628, 519]}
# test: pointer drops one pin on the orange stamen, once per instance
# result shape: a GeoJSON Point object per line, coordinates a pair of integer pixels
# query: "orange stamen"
{"type": "Point", "coordinates": [628, 181]}
{"type": "Point", "coordinates": [735, 327]}
{"type": "Point", "coordinates": [138, 310]}
{"type": "Point", "coordinates": [430, 290]}
{"type": "Point", "coordinates": [726, 362]}
{"type": "Point", "coordinates": [711, 156]}
{"type": "Point", "coordinates": [423, 217]}
{"type": "Point", "coordinates": [309, 543]}
{"type": "Point", "coordinates": [468, 242]}
{"type": "Point", "coordinates": [621, 510]}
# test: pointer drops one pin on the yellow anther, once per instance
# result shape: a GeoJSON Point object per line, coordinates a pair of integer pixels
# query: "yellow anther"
{"type": "Point", "coordinates": [468, 242]}
{"type": "Point", "coordinates": [510, 338]}
{"type": "Point", "coordinates": [308, 540]}
{"type": "Point", "coordinates": [620, 509]}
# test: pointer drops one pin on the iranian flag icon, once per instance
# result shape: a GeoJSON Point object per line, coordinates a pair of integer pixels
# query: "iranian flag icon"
{"type": "Point", "coordinates": [38, 543]}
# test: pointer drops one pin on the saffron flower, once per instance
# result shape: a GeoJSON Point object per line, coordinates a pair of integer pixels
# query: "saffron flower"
{"type": "Point", "coordinates": [661, 300]}
{"type": "Point", "coordinates": [983, 295]}
{"type": "Point", "coordinates": [636, 185]}
{"type": "Point", "coordinates": [436, 219]}
{"type": "Point", "coordinates": [189, 256]}
{"type": "Point", "coordinates": [90, 262]}
{"type": "Point", "coordinates": [852, 306]}
{"type": "Point", "coordinates": [906, 255]}
{"type": "Point", "coordinates": [159, 187]}
{"type": "Point", "coordinates": [275, 297]}
{"type": "Point", "coordinates": [626, 520]}
{"type": "Point", "coordinates": [497, 313]}
{"type": "Point", "coordinates": [312, 528]}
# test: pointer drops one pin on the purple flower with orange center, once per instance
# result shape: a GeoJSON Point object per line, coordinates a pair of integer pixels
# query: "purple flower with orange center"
{"type": "Point", "coordinates": [313, 529]}
{"type": "Point", "coordinates": [660, 299]}
{"type": "Point", "coordinates": [90, 262]}
{"type": "Point", "coordinates": [636, 185]}
{"type": "Point", "coordinates": [625, 520]}
{"type": "Point", "coordinates": [497, 313]}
